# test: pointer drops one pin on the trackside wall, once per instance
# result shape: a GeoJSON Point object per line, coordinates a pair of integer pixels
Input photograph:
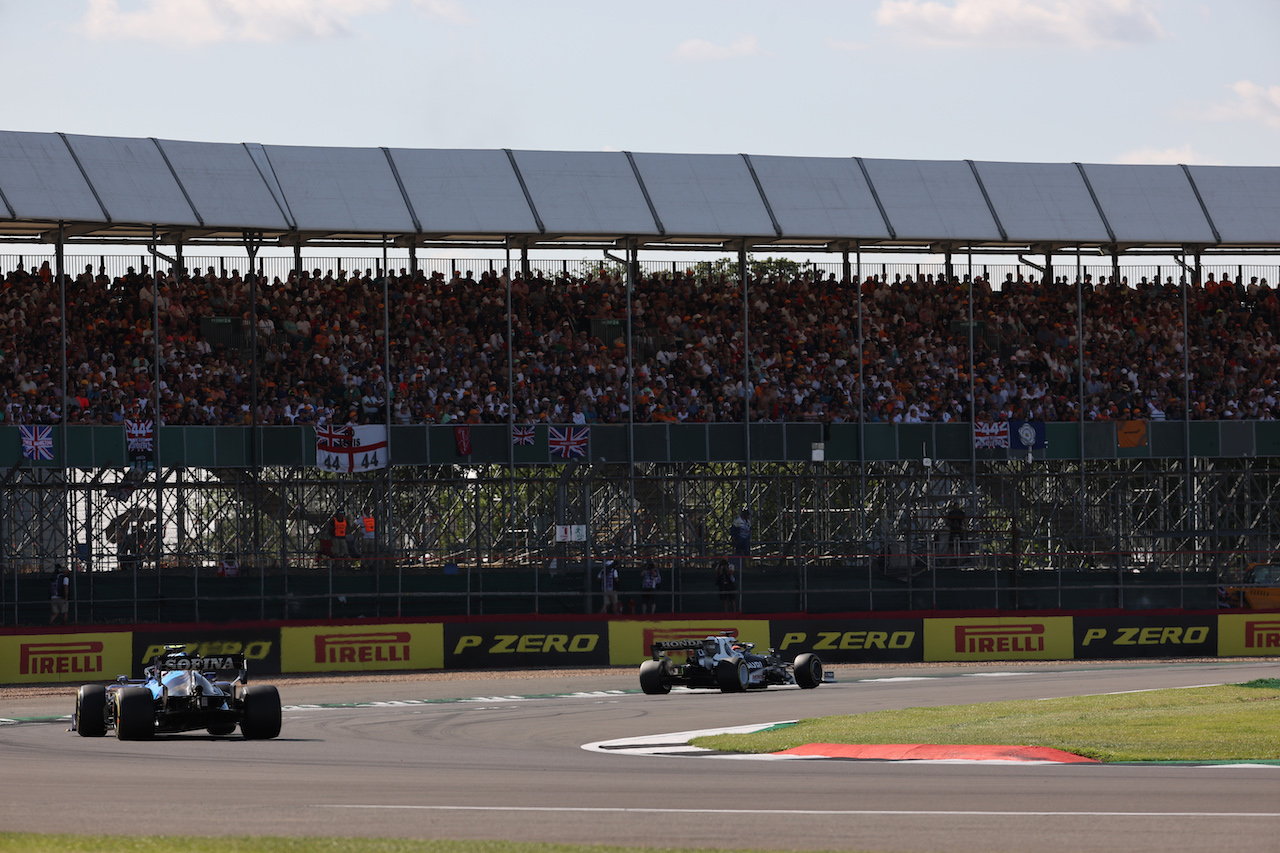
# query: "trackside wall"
{"type": "Point", "coordinates": [45, 656]}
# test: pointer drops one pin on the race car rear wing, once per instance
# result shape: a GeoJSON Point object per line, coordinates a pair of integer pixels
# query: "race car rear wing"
{"type": "Point", "coordinates": [675, 645]}
{"type": "Point", "coordinates": [229, 665]}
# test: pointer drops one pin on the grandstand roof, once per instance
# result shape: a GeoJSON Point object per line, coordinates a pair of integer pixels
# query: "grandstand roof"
{"type": "Point", "coordinates": [112, 189]}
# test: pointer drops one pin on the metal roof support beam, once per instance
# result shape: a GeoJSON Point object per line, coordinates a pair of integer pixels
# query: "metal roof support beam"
{"type": "Point", "coordinates": [8, 207]}
{"type": "Point", "coordinates": [777, 229]}
{"type": "Point", "coordinates": [644, 190]}
{"type": "Point", "coordinates": [67, 231]}
{"type": "Point", "coordinates": [893, 235]}
{"type": "Point", "coordinates": [76, 158]}
{"type": "Point", "coordinates": [528, 197]}
{"type": "Point", "coordinates": [1084, 176]}
{"type": "Point", "coordinates": [177, 180]}
{"type": "Point", "coordinates": [395, 173]}
{"type": "Point", "coordinates": [995, 217]}
{"type": "Point", "coordinates": [1217, 238]}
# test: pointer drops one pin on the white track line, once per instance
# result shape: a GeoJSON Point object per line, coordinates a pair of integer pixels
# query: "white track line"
{"type": "Point", "coordinates": [758, 811]}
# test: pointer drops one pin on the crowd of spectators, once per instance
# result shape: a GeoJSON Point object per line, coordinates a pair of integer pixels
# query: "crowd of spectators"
{"type": "Point", "coordinates": [323, 352]}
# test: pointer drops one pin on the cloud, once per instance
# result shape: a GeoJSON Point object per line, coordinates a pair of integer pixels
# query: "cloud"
{"type": "Point", "coordinates": [991, 24]}
{"type": "Point", "coordinates": [447, 10]}
{"type": "Point", "coordinates": [697, 50]}
{"type": "Point", "coordinates": [845, 46]}
{"type": "Point", "coordinates": [1251, 102]}
{"type": "Point", "coordinates": [1153, 156]}
{"type": "Point", "coordinates": [197, 22]}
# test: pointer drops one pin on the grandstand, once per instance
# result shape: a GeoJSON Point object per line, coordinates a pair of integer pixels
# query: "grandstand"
{"type": "Point", "coordinates": [850, 407]}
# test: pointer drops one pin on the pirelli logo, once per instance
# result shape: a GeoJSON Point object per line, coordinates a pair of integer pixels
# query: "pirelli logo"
{"type": "Point", "coordinates": [1262, 635]}
{"type": "Point", "coordinates": [371, 647]}
{"type": "Point", "coordinates": [60, 658]}
{"type": "Point", "coordinates": [983, 639]}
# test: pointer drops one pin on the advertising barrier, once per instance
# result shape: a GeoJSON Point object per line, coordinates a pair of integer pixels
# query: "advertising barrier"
{"type": "Point", "coordinates": [472, 646]}
{"type": "Point", "coordinates": [851, 640]}
{"type": "Point", "coordinates": [998, 638]}
{"type": "Point", "coordinates": [1145, 636]}
{"type": "Point", "coordinates": [1249, 634]}
{"type": "Point", "coordinates": [363, 647]}
{"type": "Point", "coordinates": [73, 658]}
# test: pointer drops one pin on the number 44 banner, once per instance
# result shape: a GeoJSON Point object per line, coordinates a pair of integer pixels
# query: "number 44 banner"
{"type": "Point", "coordinates": [348, 449]}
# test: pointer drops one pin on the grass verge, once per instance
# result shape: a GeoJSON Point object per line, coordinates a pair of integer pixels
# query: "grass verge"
{"type": "Point", "coordinates": [1237, 722]}
{"type": "Point", "coordinates": [21, 842]}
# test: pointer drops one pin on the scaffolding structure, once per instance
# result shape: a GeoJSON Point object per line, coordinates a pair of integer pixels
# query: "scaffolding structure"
{"type": "Point", "coordinates": [475, 540]}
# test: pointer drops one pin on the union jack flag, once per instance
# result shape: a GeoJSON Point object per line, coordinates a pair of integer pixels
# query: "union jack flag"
{"type": "Point", "coordinates": [568, 442]}
{"type": "Point", "coordinates": [522, 435]}
{"type": "Point", "coordinates": [991, 434]}
{"type": "Point", "coordinates": [37, 442]}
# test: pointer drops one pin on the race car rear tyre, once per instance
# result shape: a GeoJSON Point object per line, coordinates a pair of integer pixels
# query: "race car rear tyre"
{"type": "Point", "coordinates": [135, 713]}
{"type": "Point", "coordinates": [261, 720]}
{"type": "Point", "coordinates": [91, 711]}
{"type": "Point", "coordinates": [808, 670]}
{"type": "Point", "coordinates": [651, 678]}
{"type": "Point", "coordinates": [732, 675]}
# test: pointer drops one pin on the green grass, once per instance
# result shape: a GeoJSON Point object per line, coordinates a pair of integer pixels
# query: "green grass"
{"type": "Point", "coordinates": [1239, 722]}
{"type": "Point", "coordinates": [21, 842]}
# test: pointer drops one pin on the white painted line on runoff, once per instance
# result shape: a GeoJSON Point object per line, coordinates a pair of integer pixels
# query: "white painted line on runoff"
{"type": "Point", "coordinates": [678, 742]}
{"type": "Point", "coordinates": [743, 813]}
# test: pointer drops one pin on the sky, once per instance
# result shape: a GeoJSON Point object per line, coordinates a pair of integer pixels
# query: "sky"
{"type": "Point", "coordinates": [1096, 81]}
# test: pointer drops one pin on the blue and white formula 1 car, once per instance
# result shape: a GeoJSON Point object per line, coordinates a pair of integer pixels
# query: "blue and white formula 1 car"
{"type": "Point", "coordinates": [724, 662]}
{"type": "Point", "coordinates": [180, 693]}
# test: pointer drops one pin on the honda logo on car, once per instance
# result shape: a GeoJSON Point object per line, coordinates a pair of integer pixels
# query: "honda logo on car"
{"type": "Point", "coordinates": [373, 647]}
{"type": "Point", "coordinates": [60, 658]}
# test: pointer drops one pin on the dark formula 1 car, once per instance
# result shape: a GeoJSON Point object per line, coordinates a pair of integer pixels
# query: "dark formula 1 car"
{"type": "Point", "coordinates": [724, 662]}
{"type": "Point", "coordinates": [180, 693]}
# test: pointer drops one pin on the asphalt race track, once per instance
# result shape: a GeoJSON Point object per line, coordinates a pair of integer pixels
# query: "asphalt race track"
{"type": "Point", "coordinates": [427, 766]}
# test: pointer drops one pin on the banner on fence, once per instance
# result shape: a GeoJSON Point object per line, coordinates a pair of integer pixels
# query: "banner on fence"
{"type": "Point", "coordinates": [361, 648]}
{"type": "Point", "coordinates": [489, 645]}
{"type": "Point", "coordinates": [72, 658]}
{"type": "Point", "coordinates": [850, 640]}
{"type": "Point", "coordinates": [351, 449]}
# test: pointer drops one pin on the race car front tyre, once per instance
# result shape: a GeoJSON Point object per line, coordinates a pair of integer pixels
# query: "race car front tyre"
{"type": "Point", "coordinates": [651, 678]}
{"type": "Point", "coordinates": [808, 670]}
{"type": "Point", "coordinates": [732, 675]}
{"type": "Point", "coordinates": [261, 719]}
{"type": "Point", "coordinates": [135, 713]}
{"type": "Point", "coordinates": [91, 711]}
